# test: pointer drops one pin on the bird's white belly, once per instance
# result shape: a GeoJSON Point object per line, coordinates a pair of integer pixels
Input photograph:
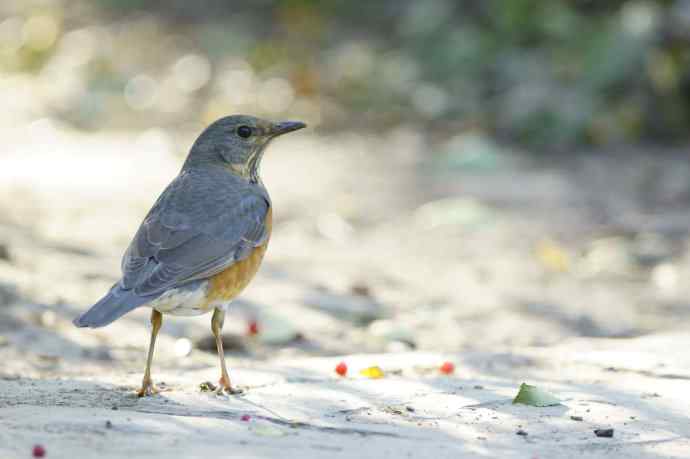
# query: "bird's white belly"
{"type": "Point", "coordinates": [189, 300]}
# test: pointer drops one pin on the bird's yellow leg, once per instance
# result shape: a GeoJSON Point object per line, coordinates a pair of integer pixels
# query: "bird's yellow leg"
{"type": "Point", "coordinates": [147, 387]}
{"type": "Point", "coordinates": [216, 327]}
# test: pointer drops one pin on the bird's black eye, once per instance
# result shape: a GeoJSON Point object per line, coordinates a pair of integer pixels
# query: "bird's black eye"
{"type": "Point", "coordinates": [244, 131]}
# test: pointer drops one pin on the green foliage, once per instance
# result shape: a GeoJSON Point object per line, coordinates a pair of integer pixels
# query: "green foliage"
{"type": "Point", "coordinates": [543, 73]}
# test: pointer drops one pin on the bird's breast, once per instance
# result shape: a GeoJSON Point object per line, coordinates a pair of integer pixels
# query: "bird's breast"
{"type": "Point", "coordinates": [203, 296]}
{"type": "Point", "coordinates": [229, 283]}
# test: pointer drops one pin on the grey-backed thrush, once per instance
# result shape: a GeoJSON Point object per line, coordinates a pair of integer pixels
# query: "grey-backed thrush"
{"type": "Point", "coordinates": [203, 240]}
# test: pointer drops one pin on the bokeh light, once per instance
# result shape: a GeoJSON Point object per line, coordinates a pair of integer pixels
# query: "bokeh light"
{"type": "Point", "coordinates": [141, 92]}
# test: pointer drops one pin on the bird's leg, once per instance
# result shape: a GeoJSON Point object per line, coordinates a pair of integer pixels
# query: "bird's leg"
{"type": "Point", "coordinates": [147, 387]}
{"type": "Point", "coordinates": [216, 327]}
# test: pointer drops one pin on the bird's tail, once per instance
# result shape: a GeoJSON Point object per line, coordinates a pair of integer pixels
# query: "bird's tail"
{"type": "Point", "coordinates": [114, 305]}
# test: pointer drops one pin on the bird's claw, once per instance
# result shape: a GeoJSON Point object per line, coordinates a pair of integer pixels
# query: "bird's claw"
{"type": "Point", "coordinates": [230, 390]}
{"type": "Point", "coordinates": [148, 389]}
{"type": "Point", "coordinates": [224, 387]}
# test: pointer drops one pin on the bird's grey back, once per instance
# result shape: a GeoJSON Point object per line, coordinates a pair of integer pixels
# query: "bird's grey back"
{"type": "Point", "coordinates": [206, 220]}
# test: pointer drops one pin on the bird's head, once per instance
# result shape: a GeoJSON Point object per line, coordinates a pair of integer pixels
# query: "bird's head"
{"type": "Point", "coordinates": [238, 142]}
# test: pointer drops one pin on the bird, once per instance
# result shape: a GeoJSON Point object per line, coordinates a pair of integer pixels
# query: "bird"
{"type": "Point", "coordinates": [203, 240]}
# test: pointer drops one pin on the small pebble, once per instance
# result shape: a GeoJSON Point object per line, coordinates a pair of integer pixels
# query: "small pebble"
{"type": "Point", "coordinates": [108, 424]}
{"type": "Point", "coordinates": [521, 433]}
{"type": "Point", "coordinates": [114, 408]}
{"type": "Point", "coordinates": [576, 418]}
{"type": "Point", "coordinates": [361, 290]}
{"type": "Point", "coordinates": [478, 387]}
{"type": "Point", "coordinates": [410, 409]}
{"type": "Point", "coordinates": [604, 433]}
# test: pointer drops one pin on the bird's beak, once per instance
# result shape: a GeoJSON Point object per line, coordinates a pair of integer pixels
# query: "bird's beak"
{"type": "Point", "coordinates": [286, 126]}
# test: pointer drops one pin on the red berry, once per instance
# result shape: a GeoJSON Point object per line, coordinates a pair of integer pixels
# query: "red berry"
{"type": "Point", "coordinates": [341, 368]}
{"type": "Point", "coordinates": [245, 418]}
{"type": "Point", "coordinates": [39, 451]}
{"type": "Point", "coordinates": [253, 328]}
{"type": "Point", "coordinates": [447, 368]}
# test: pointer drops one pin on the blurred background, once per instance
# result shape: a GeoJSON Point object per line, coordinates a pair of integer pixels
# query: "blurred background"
{"type": "Point", "coordinates": [477, 174]}
{"type": "Point", "coordinates": [551, 75]}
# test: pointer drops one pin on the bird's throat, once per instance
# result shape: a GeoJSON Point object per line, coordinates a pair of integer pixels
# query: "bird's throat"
{"type": "Point", "coordinates": [249, 170]}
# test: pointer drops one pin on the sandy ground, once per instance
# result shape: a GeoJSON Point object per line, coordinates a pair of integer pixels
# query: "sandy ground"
{"type": "Point", "coordinates": [298, 408]}
{"type": "Point", "coordinates": [569, 275]}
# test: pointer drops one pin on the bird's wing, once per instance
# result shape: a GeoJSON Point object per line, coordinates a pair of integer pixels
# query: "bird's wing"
{"type": "Point", "coordinates": [203, 223]}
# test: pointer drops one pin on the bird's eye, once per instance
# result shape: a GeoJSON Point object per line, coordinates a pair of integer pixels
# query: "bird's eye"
{"type": "Point", "coordinates": [244, 131]}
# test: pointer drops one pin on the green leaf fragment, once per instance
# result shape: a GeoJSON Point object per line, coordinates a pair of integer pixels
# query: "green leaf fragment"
{"type": "Point", "coordinates": [533, 396]}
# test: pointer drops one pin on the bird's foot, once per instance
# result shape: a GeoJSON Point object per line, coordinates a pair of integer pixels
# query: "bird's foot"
{"type": "Point", "coordinates": [224, 387]}
{"type": "Point", "coordinates": [148, 389]}
{"type": "Point", "coordinates": [230, 390]}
